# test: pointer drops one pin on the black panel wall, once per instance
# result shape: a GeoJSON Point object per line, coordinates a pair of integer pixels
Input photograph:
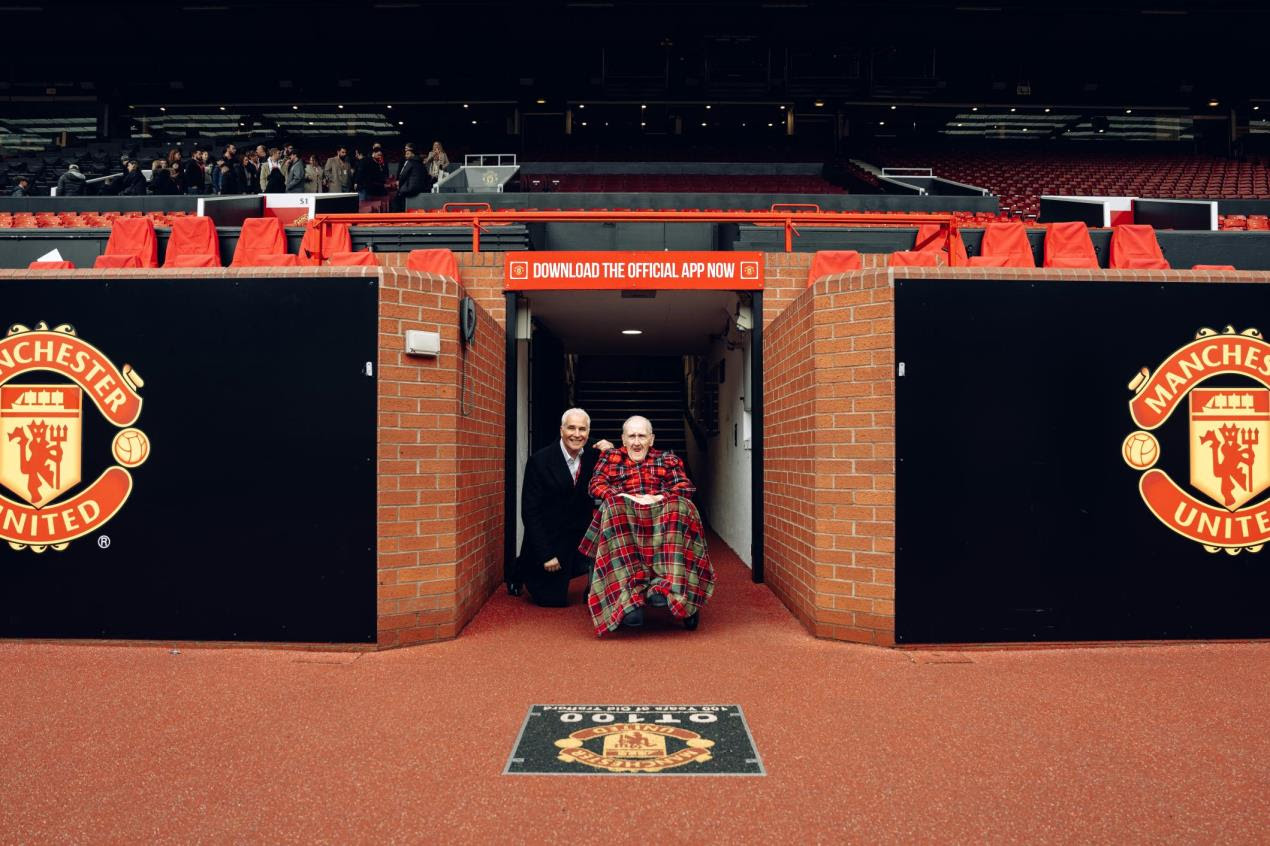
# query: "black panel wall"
{"type": "Point", "coordinates": [254, 516]}
{"type": "Point", "coordinates": [1017, 517]}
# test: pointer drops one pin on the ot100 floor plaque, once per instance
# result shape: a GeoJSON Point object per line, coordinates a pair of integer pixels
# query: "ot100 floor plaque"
{"type": "Point", "coordinates": [635, 739]}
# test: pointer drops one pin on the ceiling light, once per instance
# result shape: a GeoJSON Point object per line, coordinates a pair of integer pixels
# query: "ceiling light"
{"type": "Point", "coordinates": [820, 104]}
{"type": "Point", "coordinates": [632, 331]}
{"type": "Point", "coordinates": [390, 105]}
{"type": "Point", "coordinates": [1047, 111]}
{"type": "Point", "coordinates": [541, 101]}
{"type": "Point", "coordinates": [583, 122]}
{"type": "Point", "coordinates": [581, 105]}
{"type": "Point", "coordinates": [703, 123]}
{"type": "Point", "coordinates": [642, 123]}
{"type": "Point", "coordinates": [707, 105]}
{"type": "Point", "coordinates": [1128, 111]}
{"type": "Point", "coordinates": [782, 108]}
{"type": "Point", "coordinates": [1011, 109]}
{"type": "Point", "coordinates": [222, 108]}
{"type": "Point", "coordinates": [974, 108]}
{"type": "Point", "coordinates": [474, 123]}
{"type": "Point", "coordinates": [464, 106]}
{"type": "Point", "coordinates": [403, 123]}
{"type": "Point", "coordinates": [742, 123]}
{"type": "Point", "coordinates": [881, 123]}
{"type": "Point", "coordinates": [769, 123]}
{"type": "Point", "coordinates": [163, 108]}
{"type": "Point", "coordinates": [295, 108]}
{"type": "Point", "coordinates": [1213, 104]}
{"type": "Point", "coordinates": [340, 106]}
{"type": "Point", "coordinates": [893, 108]}
{"type": "Point", "coordinates": [643, 106]}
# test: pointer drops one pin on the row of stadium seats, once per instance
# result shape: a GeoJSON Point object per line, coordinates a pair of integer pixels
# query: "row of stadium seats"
{"type": "Point", "coordinates": [1019, 178]}
{"type": "Point", "coordinates": [1243, 223]}
{"type": "Point", "coordinates": [56, 220]}
{"type": "Point", "coordinates": [680, 183]}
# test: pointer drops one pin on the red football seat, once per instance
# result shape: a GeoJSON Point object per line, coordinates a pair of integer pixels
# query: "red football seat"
{"type": "Point", "coordinates": [1008, 240]}
{"type": "Point", "coordinates": [133, 236]}
{"type": "Point", "coordinates": [1067, 244]}
{"type": "Point", "coordinates": [259, 236]}
{"type": "Point", "coordinates": [51, 265]}
{"type": "Point", "coordinates": [439, 262]}
{"type": "Point", "coordinates": [108, 261]}
{"type": "Point", "coordinates": [195, 236]}
{"type": "Point", "coordinates": [1133, 247]}
{"type": "Point", "coordinates": [913, 258]}
{"type": "Point", "coordinates": [829, 262]}
{"type": "Point", "coordinates": [363, 258]}
{"type": "Point", "coordinates": [338, 240]}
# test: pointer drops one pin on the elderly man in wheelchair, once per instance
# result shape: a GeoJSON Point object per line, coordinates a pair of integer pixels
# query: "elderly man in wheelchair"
{"type": "Point", "coordinates": [646, 537]}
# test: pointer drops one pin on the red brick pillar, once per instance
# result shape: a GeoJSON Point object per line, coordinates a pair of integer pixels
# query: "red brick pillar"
{"type": "Point", "coordinates": [829, 456]}
{"type": "Point", "coordinates": [440, 454]}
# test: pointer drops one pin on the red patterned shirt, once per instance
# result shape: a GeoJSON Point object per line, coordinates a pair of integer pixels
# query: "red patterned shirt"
{"type": "Point", "coordinates": [659, 473]}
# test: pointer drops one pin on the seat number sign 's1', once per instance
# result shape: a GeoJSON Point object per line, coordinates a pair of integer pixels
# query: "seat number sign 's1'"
{"type": "Point", "coordinates": [635, 740]}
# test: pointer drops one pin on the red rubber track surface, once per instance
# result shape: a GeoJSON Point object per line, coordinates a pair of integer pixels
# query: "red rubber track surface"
{"type": "Point", "coordinates": [118, 744]}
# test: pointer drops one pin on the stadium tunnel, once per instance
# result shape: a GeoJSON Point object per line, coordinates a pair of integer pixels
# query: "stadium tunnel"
{"type": "Point", "coordinates": [688, 360]}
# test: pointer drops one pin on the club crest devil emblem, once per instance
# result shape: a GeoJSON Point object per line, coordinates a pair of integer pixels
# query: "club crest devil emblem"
{"type": "Point", "coordinates": [42, 433]}
{"type": "Point", "coordinates": [1224, 379]}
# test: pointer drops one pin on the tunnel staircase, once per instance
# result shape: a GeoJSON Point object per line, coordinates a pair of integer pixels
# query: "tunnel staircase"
{"type": "Point", "coordinates": [612, 388]}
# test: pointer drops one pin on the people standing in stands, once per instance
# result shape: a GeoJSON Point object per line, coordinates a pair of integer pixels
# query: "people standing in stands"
{"type": "Point", "coordinates": [337, 174]}
{"type": "Point", "coordinates": [437, 161]}
{"type": "Point", "coordinates": [178, 178]}
{"type": "Point", "coordinates": [72, 183]}
{"type": "Point", "coordinates": [230, 181]}
{"type": "Point", "coordinates": [174, 155]}
{"type": "Point", "coordinates": [267, 165]}
{"type": "Point", "coordinates": [161, 183]}
{"type": "Point", "coordinates": [133, 182]}
{"type": "Point", "coordinates": [370, 179]}
{"type": "Point", "coordinates": [295, 173]}
{"type": "Point", "coordinates": [275, 175]}
{"type": "Point", "coordinates": [251, 173]}
{"type": "Point", "coordinates": [23, 189]}
{"type": "Point", "coordinates": [412, 179]}
{"type": "Point", "coordinates": [192, 173]}
{"type": "Point", "coordinates": [205, 159]}
{"type": "Point", "coordinates": [312, 175]}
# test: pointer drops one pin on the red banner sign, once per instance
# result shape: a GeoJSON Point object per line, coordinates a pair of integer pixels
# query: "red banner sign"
{"type": "Point", "coordinates": [564, 271]}
{"type": "Point", "coordinates": [60, 352]}
{"type": "Point", "coordinates": [1244, 355]}
{"type": "Point", "coordinates": [1201, 522]}
{"type": "Point", "coordinates": [64, 521]}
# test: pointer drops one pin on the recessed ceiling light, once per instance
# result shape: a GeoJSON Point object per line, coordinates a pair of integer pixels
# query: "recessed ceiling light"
{"type": "Point", "coordinates": [708, 105]}
{"type": "Point", "coordinates": [632, 331]}
{"type": "Point", "coordinates": [1128, 111]}
{"type": "Point", "coordinates": [464, 106]}
{"type": "Point", "coordinates": [893, 108]}
{"type": "Point", "coordinates": [974, 108]}
{"type": "Point", "coordinates": [643, 123]}
{"type": "Point", "coordinates": [742, 123]}
{"type": "Point", "coordinates": [703, 123]}
{"type": "Point", "coordinates": [1213, 104]}
{"type": "Point", "coordinates": [474, 123]}
{"type": "Point", "coordinates": [403, 123]}
{"type": "Point", "coordinates": [222, 108]}
{"type": "Point", "coordinates": [820, 104]}
{"type": "Point", "coordinates": [341, 105]}
{"type": "Point", "coordinates": [584, 123]}
{"type": "Point", "coordinates": [881, 123]}
{"type": "Point", "coordinates": [295, 108]}
{"type": "Point", "coordinates": [581, 105]}
{"type": "Point", "coordinates": [782, 108]}
{"type": "Point", "coordinates": [541, 101]}
{"type": "Point", "coordinates": [1047, 111]}
{"type": "Point", "coordinates": [643, 105]}
{"type": "Point", "coordinates": [390, 105]}
{"type": "Point", "coordinates": [1011, 109]}
{"type": "Point", "coordinates": [769, 123]}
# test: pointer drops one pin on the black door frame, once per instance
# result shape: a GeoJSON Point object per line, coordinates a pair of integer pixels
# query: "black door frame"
{"type": "Point", "coordinates": [510, 437]}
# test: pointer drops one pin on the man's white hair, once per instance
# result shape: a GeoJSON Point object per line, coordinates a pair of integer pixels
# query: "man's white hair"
{"type": "Point", "coordinates": [635, 418]}
{"type": "Point", "coordinates": [565, 416]}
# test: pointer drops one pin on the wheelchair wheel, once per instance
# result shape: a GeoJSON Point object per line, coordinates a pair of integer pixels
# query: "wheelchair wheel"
{"type": "Point", "coordinates": [690, 623]}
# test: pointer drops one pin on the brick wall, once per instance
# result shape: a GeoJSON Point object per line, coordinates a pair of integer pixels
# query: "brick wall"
{"type": "Point", "coordinates": [829, 415]}
{"type": "Point", "coordinates": [440, 471]}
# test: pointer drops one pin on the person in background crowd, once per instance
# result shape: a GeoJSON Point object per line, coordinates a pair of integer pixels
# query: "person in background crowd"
{"type": "Point", "coordinates": [133, 182]}
{"type": "Point", "coordinates": [231, 182]}
{"type": "Point", "coordinates": [295, 173]}
{"type": "Point", "coordinates": [370, 178]}
{"type": "Point", "coordinates": [251, 172]}
{"type": "Point", "coordinates": [23, 189]}
{"type": "Point", "coordinates": [275, 178]}
{"type": "Point", "coordinates": [205, 159]}
{"type": "Point", "coordinates": [412, 179]}
{"type": "Point", "coordinates": [178, 178]}
{"type": "Point", "coordinates": [174, 155]}
{"type": "Point", "coordinates": [337, 174]}
{"type": "Point", "coordinates": [437, 161]}
{"type": "Point", "coordinates": [72, 183]}
{"type": "Point", "coordinates": [192, 173]}
{"type": "Point", "coordinates": [161, 183]}
{"type": "Point", "coordinates": [312, 176]}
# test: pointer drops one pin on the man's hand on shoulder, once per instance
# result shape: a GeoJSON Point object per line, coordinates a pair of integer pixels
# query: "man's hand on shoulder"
{"type": "Point", "coordinates": [603, 445]}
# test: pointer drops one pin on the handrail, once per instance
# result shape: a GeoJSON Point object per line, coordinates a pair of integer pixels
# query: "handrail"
{"type": "Point", "coordinates": [794, 206]}
{"type": "Point", "coordinates": [479, 220]}
{"type": "Point", "coordinates": [466, 207]}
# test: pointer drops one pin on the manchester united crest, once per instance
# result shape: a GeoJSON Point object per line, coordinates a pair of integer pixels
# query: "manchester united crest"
{"type": "Point", "coordinates": [1228, 436]}
{"type": "Point", "coordinates": [44, 503]}
{"type": "Point", "coordinates": [635, 747]}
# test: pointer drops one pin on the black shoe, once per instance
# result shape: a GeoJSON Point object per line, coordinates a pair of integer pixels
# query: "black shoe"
{"type": "Point", "coordinates": [657, 600]}
{"type": "Point", "coordinates": [513, 589]}
{"type": "Point", "coordinates": [690, 623]}
{"type": "Point", "coordinates": [634, 619]}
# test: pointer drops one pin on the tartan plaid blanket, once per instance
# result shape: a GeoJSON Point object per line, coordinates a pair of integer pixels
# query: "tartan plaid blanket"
{"type": "Point", "coordinates": [641, 548]}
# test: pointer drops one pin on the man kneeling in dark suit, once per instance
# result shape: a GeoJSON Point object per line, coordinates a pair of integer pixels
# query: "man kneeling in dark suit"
{"type": "Point", "coordinates": [556, 510]}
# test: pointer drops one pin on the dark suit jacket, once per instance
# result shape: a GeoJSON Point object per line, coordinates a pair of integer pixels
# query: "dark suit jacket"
{"type": "Point", "coordinates": [556, 513]}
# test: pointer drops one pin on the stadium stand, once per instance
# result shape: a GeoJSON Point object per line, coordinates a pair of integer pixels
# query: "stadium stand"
{"type": "Point", "coordinates": [1067, 244]}
{"type": "Point", "coordinates": [1134, 247]}
{"type": "Point", "coordinates": [193, 243]}
{"type": "Point", "coordinates": [1007, 241]}
{"type": "Point", "coordinates": [133, 237]}
{"type": "Point", "coordinates": [260, 242]}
